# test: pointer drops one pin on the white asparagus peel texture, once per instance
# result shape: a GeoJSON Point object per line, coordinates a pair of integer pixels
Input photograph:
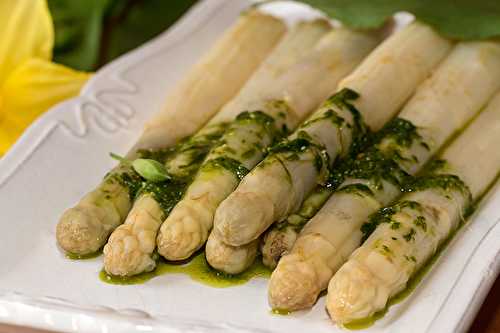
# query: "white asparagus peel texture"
{"type": "Point", "coordinates": [299, 41]}
{"type": "Point", "coordinates": [425, 218]}
{"type": "Point", "coordinates": [212, 82]}
{"type": "Point", "coordinates": [384, 80]}
{"type": "Point", "coordinates": [130, 248]}
{"type": "Point", "coordinates": [442, 105]}
{"type": "Point", "coordinates": [290, 98]}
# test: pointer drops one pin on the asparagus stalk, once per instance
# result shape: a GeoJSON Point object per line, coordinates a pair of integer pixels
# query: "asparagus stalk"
{"type": "Point", "coordinates": [290, 98]}
{"type": "Point", "coordinates": [130, 249]}
{"type": "Point", "coordinates": [443, 104]}
{"type": "Point", "coordinates": [212, 82]}
{"type": "Point", "coordinates": [279, 239]}
{"type": "Point", "coordinates": [230, 259]}
{"type": "Point", "coordinates": [279, 184]}
{"type": "Point", "coordinates": [376, 65]}
{"type": "Point", "coordinates": [411, 230]}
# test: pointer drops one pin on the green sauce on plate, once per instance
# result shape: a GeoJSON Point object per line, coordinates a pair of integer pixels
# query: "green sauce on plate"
{"type": "Point", "coordinates": [197, 269]}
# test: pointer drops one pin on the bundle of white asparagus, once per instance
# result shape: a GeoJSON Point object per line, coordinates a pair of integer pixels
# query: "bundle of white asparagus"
{"type": "Point", "coordinates": [130, 249]}
{"type": "Point", "coordinates": [410, 231]}
{"type": "Point", "coordinates": [211, 83]}
{"type": "Point", "coordinates": [370, 96]}
{"type": "Point", "coordinates": [298, 91]}
{"type": "Point", "coordinates": [346, 200]}
{"type": "Point", "coordinates": [442, 105]}
{"type": "Point", "coordinates": [285, 89]}
{"type": "Point", "coordinates": [280, 238]}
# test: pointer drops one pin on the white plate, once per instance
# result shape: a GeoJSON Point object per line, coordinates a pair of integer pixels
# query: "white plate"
{"type": "Point", "coordinates": [65, 153]}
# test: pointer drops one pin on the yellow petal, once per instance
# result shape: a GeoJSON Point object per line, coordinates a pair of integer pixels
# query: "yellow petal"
{"type": "Point", "coordinates": [33, 88]}
{"type": "Point", "coordinates": [26, 31]}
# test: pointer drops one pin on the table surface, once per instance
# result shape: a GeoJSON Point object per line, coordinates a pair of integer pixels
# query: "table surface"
{"type": "Point", "coordinates": [487, 320]}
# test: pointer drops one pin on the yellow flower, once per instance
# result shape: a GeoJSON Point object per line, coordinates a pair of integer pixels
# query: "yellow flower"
{"type": "Point", "coordinates": [29, 82]}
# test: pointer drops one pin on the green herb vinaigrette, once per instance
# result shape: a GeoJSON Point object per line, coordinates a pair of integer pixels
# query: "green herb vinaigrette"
{"type": "Point", "coordinates": [377, 164]}
{"type": "Point", "coordinates": [267, 125]}
{"type": "Point", "coordinates": [168, 193]}
{"type": "Point", "coordinates": [411, 285]}
{"type": "Point", "coordinates": [291, 148]}
{"type": "Point", "coordinates": [229, 164]}
{"type": "Point", "coordinates": [366, 160]}
{"type": "Point", "coordinates": [197, 269]}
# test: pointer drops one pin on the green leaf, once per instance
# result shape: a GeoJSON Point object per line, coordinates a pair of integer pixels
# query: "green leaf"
{"type": "Point", "coordinates": [456, 19]}
{"type": "Point", "coordinates": [78, 26]}
{"type": "Point", "coordinates": [150, 170]}
{"type": "Point", "coordinates": [90, 33]}
{"type": "Point", "coordinates": [130, 26]}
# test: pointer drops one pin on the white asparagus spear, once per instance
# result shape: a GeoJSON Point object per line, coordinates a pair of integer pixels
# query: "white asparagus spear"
{"type": "Point", "coordinates": [300, 89]}
{"type": "Point", "coordinates": [298, 42]}
{"type": "Point", "coordinates": [415, 226]}
{"type": "Point", "coordinates": [443, 104]}
{"type": "Point", "coordinates": [279, 239]}
{"type": "Point", "coordinates": [130, 248]}
{"type": "Point", "coordinates": [212, 82]}
{"type": "Point", "coordinates": [227, 258]}
{"type": "Point", "coordinates": [279, 184]}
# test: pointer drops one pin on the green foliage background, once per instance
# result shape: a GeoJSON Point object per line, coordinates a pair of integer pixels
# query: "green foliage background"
{"type": "Point", "coordinates": [456, 19]}
{"type": "Point", "coordinates": [90, 33]}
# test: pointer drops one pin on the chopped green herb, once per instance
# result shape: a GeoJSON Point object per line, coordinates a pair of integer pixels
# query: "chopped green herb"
{"type": "Point", "coordinates": [395, 225]}
{"type": "Point", "coordinates": [445, 182]}
{"type": "Point", "coordinates": [386, 249]}
{"type": "Point", "coordinates": [385, 214]}
{"type": "Point", "coordinates": [420, 222]}
{"type": "Point", "coordinates": [410, 235]}
{"type": "Point", "coordinates": [128, 179]}
{"type": "Point", "coordinates": [230, 164]}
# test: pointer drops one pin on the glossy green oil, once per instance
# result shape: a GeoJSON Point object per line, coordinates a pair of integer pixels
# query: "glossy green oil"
{"type": "Point", "coordinates": [364, 323]}
{"type": "Point", "coordinates": [197, 269]}
{"type": "Point", "coordinates": [75, 256]}
{"type": "Point", "coordinates": [280, 312]}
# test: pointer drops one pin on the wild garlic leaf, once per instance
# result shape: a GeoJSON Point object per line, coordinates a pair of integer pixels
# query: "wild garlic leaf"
{"type": "Point", "coordinates": [150, 170]}
{"type": "Point", "coordinates": [456, 19]}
